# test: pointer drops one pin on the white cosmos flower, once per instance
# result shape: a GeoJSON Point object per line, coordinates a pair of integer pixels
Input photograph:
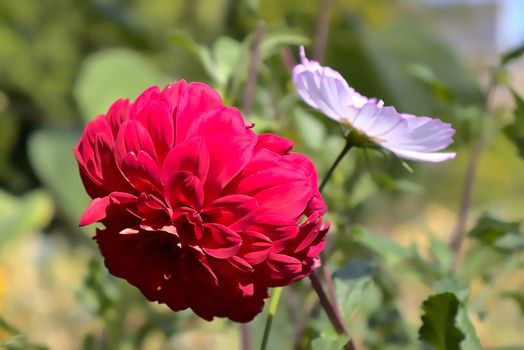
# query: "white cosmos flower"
{"type": "Point", "coordinates": [407, 136]}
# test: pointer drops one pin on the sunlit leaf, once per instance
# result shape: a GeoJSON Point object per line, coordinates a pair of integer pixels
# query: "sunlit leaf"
{"type": "Point", "coordinates": [471, 340]}
{"type": "Point", "coordinates": [351, 283]}
{"type": "Point", "coordinates": [452, 285]}
{"type": "Point", "coordinates": [387, 249]}
{"type": "Point", "coordinates": [226, 55]}
{"type": "Point", "coordinates": [111, 74]}
{"type": "Point", "coordinates": [274, 40]}
{"type": "Point", "coordinates": [51, 156]}
{"type": "Point", "coordinates": [312, 131]}
{"type": "Point", "coordinates": [439, 330]}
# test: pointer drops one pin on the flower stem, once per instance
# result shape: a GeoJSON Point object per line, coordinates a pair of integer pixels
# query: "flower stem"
{"type": "Point", "coordinates": [344, 151]}
{"type": "Point", "coordinates": [270, 315]}
{"type": "Point", "coordinates": [331, 307]}
{"type": "Point", "coordinates": [332, 313]}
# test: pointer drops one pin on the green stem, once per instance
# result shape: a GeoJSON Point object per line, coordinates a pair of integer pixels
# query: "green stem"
{"type": "Point", "coordinates": [271, 313]}
{"type": "Point", "coordinates": [344, 151]}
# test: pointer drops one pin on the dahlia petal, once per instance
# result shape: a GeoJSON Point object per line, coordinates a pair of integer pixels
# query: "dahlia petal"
{"type": "Point", "coordinates": [184, 189]}
{"type": "Point", "coordinates": [274, 143]}
{"type": "Point", "coordinates": [150, 94]}
{"type": "Point", "coordinates": [282, 266]}
{"type": "Point", "coordinates": [142, 172]}
{"type": "Point", "coordinates": [255, 247]}
{"type": "Point", "coordinates": [95, 211]}
{"type": "Point", "coordinates": [189, 224]}
{"type": "Point", "coordinates": [218, 121]}
{"type": "Point", "coordinates": [219, 241]}
{"type": "Point", "coordinates": [112, 177]}
{"type": "Point", "coordinates": [235, 211]}
{"type": "Point", "coordinates": [227, 157]}
{"type": "Point", "coordinates": [175, 294]}
{"type": "Point", "coordinates": [133, 137]}
{"type": "Point", "coordinates": [185, 224]}
{"type": "Point", "coordinates": [117, 114]}
{"type": "Point", "coordinates": [157, 119]}
{"type": "Point", "coordinates": [195, 99]}
{"type": "Point", "coordinates": [153, 212]}
{"type": "Point", "coordinates": [247, 289]}
{"type": "Point", "coordinates": [278, 190]}
{"type": "Point", "coordinates": [191, 155]}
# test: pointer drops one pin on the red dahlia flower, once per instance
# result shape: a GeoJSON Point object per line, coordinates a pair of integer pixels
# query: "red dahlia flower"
{"type": "Point", "coordinates": [199, 211]}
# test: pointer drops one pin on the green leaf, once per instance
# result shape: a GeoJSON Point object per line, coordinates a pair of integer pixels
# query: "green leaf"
{"type": "Point", "coordinates": [226, 54]}
{"type": "Point", "coordinates": [452, 285]}
{"type": "Point", "coordinates": [471, 340]}
{"type": "Point", "coordinates": [438, 330]}
{"type": "Point", "coordinates": [276, 39]}
{"type": "Point", "coordinates": [111, 74]}
{"type": "Point", "coordinates": [329, 342]}
{"type": "Point", "coordinates": [311, 130]}
{"type": "Point", "coordinates": [24, 214]}
{"type": "Point", "coordinates": [387, 249]}
{"type": "Point", "coordinates": [511, 55]}
{"type": "Point", "coordinates": [515, 130]}
{"type": "Point", "coordinates": [351, 284]}
{"type": "Point", "coordinates": [51, 156]}
{"type": "Point", "coordinates": [202, 53]}
{"type": "Point", "coordinates": [504, 236]}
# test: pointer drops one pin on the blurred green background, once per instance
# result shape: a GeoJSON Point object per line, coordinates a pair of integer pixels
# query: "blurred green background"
{"type": "Point", "coordinates": [62, 62]}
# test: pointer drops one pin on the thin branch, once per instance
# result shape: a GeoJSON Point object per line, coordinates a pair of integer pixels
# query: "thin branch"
{"type": "Point", "coordinates": [332, 312]}
{"type": "Point", "coordinates": [321, 35]}
{"type": "Point", "coordinates": [251, 83]}
{"type": "Point", "coordinates": [457, 235]}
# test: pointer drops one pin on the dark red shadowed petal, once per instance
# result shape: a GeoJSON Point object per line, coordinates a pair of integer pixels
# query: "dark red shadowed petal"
{"type": "Point", "coordinates": [235, 211]}
{"type": "Point", "coordinates": [153, 212]}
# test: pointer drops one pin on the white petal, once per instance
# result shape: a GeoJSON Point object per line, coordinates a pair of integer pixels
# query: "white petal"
{"type": "Point", "coordinates": [425, 157]}
{"type": "Point", "coordinates": [325, 89]}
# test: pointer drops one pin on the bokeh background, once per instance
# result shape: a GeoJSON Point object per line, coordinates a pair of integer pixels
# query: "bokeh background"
{"type": "Point", "coordinates": [62, 62]}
